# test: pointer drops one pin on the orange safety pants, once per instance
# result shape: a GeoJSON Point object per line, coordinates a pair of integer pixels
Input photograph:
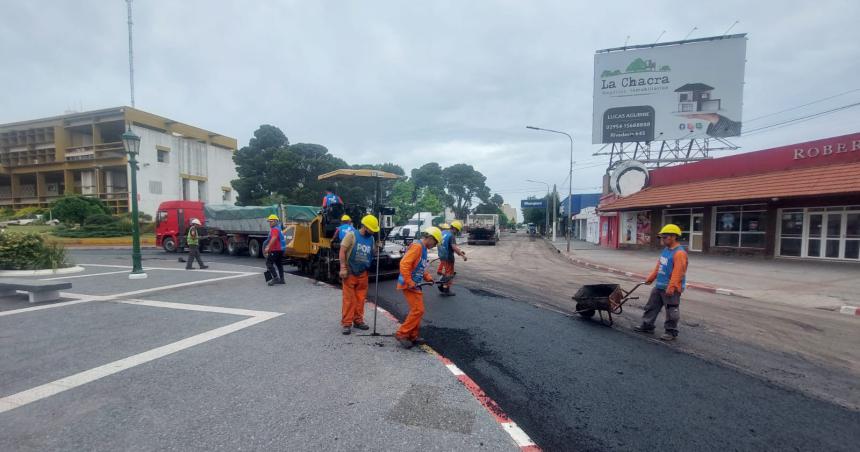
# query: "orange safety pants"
{"type": "Point", "coordinates": [354, 294]}
{"type": "Point", "coordinates": [409, 328]}
{"type": "Point", "coordinates": [446, 268]}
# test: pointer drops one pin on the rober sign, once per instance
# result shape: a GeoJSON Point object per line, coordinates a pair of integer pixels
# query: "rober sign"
{"type": "Point", "coordinates": [826, 150]}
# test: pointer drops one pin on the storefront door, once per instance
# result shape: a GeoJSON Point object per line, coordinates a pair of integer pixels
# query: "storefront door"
{"type": "Point", "coordinates": [831, 233]}
{"type": "Point", "coordinates": [696, 232]}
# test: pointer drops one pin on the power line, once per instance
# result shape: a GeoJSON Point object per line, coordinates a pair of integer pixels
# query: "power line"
{"type": "Point", "coordinates": [804, 105]}
{"type": "Point", "coordinates": [800, 119]}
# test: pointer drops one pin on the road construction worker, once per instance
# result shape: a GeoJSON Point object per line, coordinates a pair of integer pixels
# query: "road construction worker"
{"type": "Point", "coordinates": [193, 242]}
{"type": "Point", "coordinates": [274, 252]}
{"type": "Point", "coordinates": [356, 255]}
{"type": "Point", "coordinates": [447, 249]}
{"type": "Point", "coordinates": [330, 198]}
{"type": "Point", "coordinates": [344, 228]}
{"type": "Point", "coordinates": [413, 271]}
{"type": "Point", "coordinates": [671, 276]}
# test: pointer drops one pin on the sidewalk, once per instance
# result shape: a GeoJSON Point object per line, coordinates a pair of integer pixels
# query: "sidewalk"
{"type": "Point", "coordinates": [822, 285]}
{"type": "Point", "coordinates": [216, 360]}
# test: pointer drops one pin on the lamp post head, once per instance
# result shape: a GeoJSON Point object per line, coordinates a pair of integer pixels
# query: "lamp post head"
{"type": "Point", "coordinates": [533, 127]}
{"type": "Point", "coordinates": [131, 142]}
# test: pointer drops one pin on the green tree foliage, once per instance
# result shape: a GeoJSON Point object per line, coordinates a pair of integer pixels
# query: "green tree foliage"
{"type": "Point", "coordinates": [463, 184]}
{"type": "Point", "coordinates": [429, 176]}
{"type": "Point", "coordinates": [401, 201]}
{"type": "Point", "coordinates": [253, 164]}
{"type": "Point", "coordinates": [29, 251]}
{"type": "Point", "coordinates": [74, 209]}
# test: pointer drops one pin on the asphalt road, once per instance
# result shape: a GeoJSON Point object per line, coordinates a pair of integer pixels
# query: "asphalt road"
{"type": "Point", "coordinates": [573, 384]}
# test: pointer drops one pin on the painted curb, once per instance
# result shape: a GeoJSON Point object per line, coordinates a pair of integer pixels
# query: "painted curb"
{"type": "Point", "coordinates": [850, 310]}
{"type": "Point", "coordinates": [59, 271]}
{"type": "Point", "coordinates": [521, 438]}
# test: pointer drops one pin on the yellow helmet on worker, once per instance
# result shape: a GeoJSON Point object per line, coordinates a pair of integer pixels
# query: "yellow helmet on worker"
{"type": "Point", "coordinates": [444, 226]}
{"type": "Point", "coordinates": [457, 224]}
{"type": "Point", "coordinates": [272, 217]}
{"type": "Point", "coordinates": [345, 218]}
{"type": "Point", "coordinates": [370, 222]}
{"type": "Point", "coordinates": [434, 232]}
{"type": "Point", "coordinates": [671, 229]}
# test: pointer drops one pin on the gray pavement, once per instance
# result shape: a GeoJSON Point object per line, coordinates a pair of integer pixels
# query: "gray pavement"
{"type": "Point", "coordinates": [822, 285]}
{"type": "Point", "coordinates": [290, 381]}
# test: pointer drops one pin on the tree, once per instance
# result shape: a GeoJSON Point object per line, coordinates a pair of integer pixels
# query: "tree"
{"type": "Point", "coordinates": [295, 169]}
{"type": "Point", "coordinates": [464, 184]}
{"type": "Point", "coordinates": [253, 164]}
{"type": "Point", "coordinates": [497, 200]}
{"type": "Point", "coordinates": [74, 209]}
{"type": "Point", "coordinates": [429, 202]}
{"type": "Point", "coordinates": [431, 177]}
{"type": "Point", "coordinates": [401, 201]}
{"type": "Point", "coordinates": [536, 216]}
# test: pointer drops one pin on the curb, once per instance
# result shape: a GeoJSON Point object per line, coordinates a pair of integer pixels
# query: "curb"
{"type": "Point", "coordinates": [520, 437]}
{"type": "Point", "coordinates": [690, 285]}
{"type": "Point", "coordinates": [850, 310]}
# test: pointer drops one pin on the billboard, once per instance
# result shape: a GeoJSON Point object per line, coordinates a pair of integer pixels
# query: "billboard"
{"type": "Point", "coordinates": [677, 90]}
{"type": "Point", "coordinates": [533, 203]}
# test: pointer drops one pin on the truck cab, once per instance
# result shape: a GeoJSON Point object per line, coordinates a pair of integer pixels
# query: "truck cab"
{"type": "Point", "coordinates": [172, 221]}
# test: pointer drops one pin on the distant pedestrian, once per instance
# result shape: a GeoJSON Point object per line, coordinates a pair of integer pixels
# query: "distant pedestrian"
{"type": "Point", "coordinates": [356, 255]}
{"type": "Point", "coordinates": [671, 276]}
{"type": "Point", "coordinates": [193, 242]}
{"type": "Point", "coordinates": [275, 245]}
{"type": "Point", "coordinates": [413, 271]}
{"type": "Point", "coordinates": [447, 250]}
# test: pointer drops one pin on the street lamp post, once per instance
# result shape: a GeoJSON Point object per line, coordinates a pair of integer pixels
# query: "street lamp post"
{"type": "Point", "coordinates": [569, 180]}
{"type": "Point", "coordinates": [132, 147]}
{"type": "Point", "coordinates": [547, 202]}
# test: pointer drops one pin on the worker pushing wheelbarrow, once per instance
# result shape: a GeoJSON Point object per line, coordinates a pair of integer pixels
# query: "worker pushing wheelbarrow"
{"type": "Point", "coordinates": [600, 298]}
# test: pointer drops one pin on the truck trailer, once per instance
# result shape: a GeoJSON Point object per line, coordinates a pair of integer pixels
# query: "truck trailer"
{"type": "Point", "coordinates": [482, 229]}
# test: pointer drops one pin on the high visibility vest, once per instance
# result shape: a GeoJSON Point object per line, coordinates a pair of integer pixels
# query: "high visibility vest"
{"type": "Point", "coordinates": [417, 274]}
{"type": "Point", "coordinates": [667, 265]}
{"type": "Point", "coordinates": [343, 230]}
{"type": "Point", "coordinates": [330, 199]}
{"type": "Point", "coordinates": [192, 240]}
{"type": "Point", "coordinates": [361, 255]}
{"type": "Point", "coordinates": [446, 248]}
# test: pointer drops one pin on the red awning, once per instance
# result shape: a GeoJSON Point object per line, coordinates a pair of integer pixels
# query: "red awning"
{"type": "Point", "coordinates": [804, 182]}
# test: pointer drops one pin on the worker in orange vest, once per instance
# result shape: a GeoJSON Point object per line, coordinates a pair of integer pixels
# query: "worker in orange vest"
{"type": "Point", "coordinates": [413, 271]}
{"type": "Point", "coordinates": [356, 255]}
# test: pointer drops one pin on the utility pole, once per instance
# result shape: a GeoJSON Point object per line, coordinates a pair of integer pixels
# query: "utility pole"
{"type": "Point", "coordinates": [130, 54]}
{"type": "Point", "coordinates": [554, 211]}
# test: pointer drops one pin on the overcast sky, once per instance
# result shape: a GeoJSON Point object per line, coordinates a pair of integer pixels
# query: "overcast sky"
{"type": "Point", "coordinates": [413, 82]}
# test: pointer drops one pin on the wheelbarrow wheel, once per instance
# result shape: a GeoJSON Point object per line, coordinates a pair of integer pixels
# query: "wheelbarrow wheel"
{"type": "Point", "coordinates": [585, 313]}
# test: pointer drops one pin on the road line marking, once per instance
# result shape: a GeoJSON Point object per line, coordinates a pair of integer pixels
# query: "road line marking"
{"type": "Point", "coordinates": [47, 306]}
{"type": "Point", "coordinates": [164, 268]}
{"type": "Point", "coordinates": [519, 436]}
{"type": "Point", "coordinates": [455, 370]}
{"type": "Point", "coordinates": [64, 384]}
{"type": "Point", "coordinates": [177, 286]}
{"type": "Point", "coordinates": [197, 307]}
{"type": "Point", "coordinates": [85, 276]}
{"type": "Point", "coordinates": [720, 291]}
{"type": "Point", "coordinates": [850, 310]}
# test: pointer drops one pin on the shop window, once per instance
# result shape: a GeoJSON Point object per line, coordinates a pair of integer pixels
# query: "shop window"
{"type": "Point", "coordinates": [740, 226]}
{"type": "Point", "coordinates": [163, 156]}
{"type": "Point", "coordinates": [790, 247]}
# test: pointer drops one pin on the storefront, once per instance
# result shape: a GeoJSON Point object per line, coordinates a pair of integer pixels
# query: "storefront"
{"type": "Point", "coordinates": [798, 201]}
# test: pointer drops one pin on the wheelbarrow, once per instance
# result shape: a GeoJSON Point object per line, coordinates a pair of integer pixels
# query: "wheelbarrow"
{"type": "Point", "coordinates": [600, 298]}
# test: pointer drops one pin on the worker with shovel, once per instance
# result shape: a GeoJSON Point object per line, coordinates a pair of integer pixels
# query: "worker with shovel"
{"type": "Point", "coordinates": [413, 275]}
{"type": "Point", "coordinates": [356, 255]}
{"type": "Point", "coordinates": [447, 249]}
{"type": "Point", "coordinates": [671, 276]}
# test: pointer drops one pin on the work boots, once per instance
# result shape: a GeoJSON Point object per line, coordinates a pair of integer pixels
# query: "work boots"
{"type": "Point", "coordinates": [644, 329]}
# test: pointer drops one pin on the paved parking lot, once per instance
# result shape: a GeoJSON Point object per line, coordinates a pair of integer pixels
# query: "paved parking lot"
{"type": "Point", "coordinates": [217, 360]}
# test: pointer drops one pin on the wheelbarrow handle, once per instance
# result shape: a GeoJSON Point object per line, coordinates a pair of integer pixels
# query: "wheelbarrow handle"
{"type": "Point", "coordinates": [628, 292]}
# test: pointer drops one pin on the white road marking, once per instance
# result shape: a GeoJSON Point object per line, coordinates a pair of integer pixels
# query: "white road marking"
{"type": "Point", "coordinates": [198, 307]}
{"type": "Point", "coordinates": [181, 269]}
{"type": "Point", "coordinates": [455, 370]}
{"type": "Point", "coordinates": [178, 285]}
{"type": "Point", "coordinates": [85, 276]}
{"type": "Point", "coordinates": [64, 384]}
{"type": "Point", "coordinates": [47, 306]}
{"type": "Point", "coordinates": [850, 310]}
{"type": "Point", "coordinates": [519, 436]}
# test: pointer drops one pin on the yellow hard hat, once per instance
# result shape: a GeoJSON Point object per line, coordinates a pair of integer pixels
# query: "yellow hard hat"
{"type": "Point", "coordinates": [345, 218]}
{"type": "Point", "coordinates": [457, 224]}
{"type": "Point", "coordinates": [434, 232]}
{"type": "Point", "coordinates": [273, 217]}
{"type": "Point", "coordinates": [671, 229]}
{"type": "Point", "coordinates": [370, 222]}
{"type": "Point", "coordinates": [444, 226]}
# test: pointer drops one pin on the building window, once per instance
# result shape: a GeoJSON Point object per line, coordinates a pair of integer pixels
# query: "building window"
{"type": "Point", "coordinates": [163, 156]}
{"type": "Point", "coordinates": [155, 187]}
{"type": "Point", "coordinates": [740, 226]}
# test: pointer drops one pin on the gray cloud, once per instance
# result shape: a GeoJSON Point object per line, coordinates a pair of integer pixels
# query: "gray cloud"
{"type": "Point", "coordinates": [410, 82]}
